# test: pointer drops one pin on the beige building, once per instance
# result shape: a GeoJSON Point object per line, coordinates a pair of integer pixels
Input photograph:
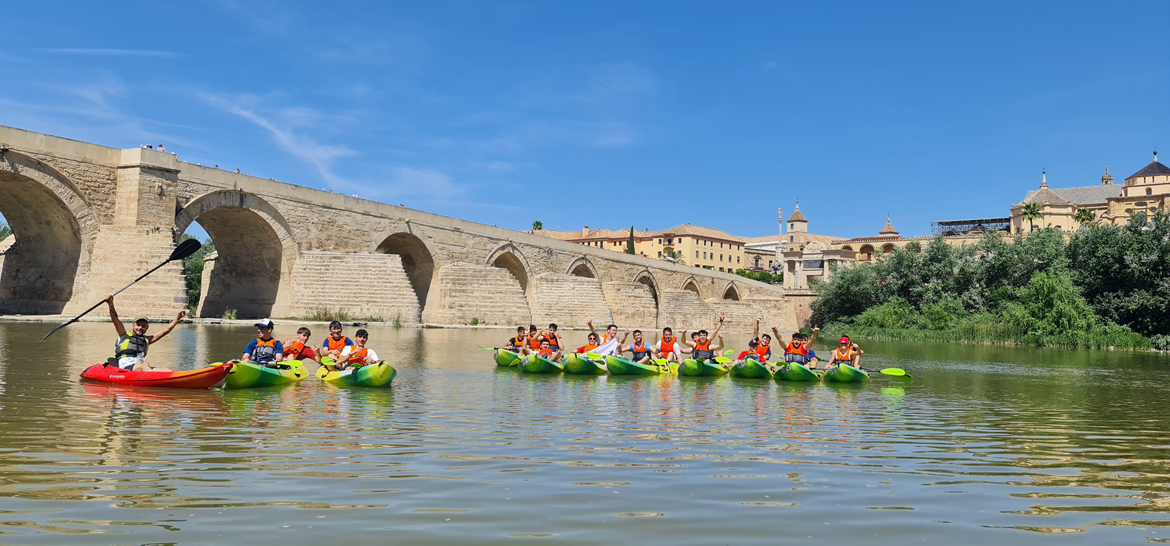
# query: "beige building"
{"type": "Point", "coordinates": [1147, 190]}
{"type": "Point", "coordinates": [698, 246]}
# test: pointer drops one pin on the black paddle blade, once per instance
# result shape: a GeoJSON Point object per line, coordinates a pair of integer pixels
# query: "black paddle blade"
{"type": "Point", "coordinates": [185, 248]}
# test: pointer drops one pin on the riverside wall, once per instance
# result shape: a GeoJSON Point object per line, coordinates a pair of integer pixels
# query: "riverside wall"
{"type": "Point", "coordinates": [88, 219]}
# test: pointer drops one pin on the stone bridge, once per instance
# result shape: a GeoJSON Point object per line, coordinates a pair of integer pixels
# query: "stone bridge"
{"type": "Point", "coordinates": [88, 219]}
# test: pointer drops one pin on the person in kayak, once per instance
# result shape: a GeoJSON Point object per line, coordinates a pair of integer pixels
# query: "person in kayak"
{"type": "Point", "coordinates": [130, 349]}
{"type": "Point", "coordinates": [534, 337]}
{"type": "Point", "coordinates": [641, 351]}
{"type": "Point", "coordinates": [299, 348]}
{"type": "Point", "coordinates": [610, 332]}
{"type": "Point", "coordinates": [514, 344]}
{"type": "Point", "coordinates": [590, 345]}
{"type": "Point", "coordinates": [668, 347]}
{"type": "Point", "coordinates": [554, 339]}
{"type": "Point", "coordinates": [847, 352]}
{"type": "Point", "coordinates": [264, 349]}
{"type": "Point", "coordinates": [753, 352]}
{"type": "Point", "coordinates": [358, 354]}
{"type": "Point", "coordinates": [545, 351]}
{"type": "Point", "coordinates": [700, 345]}
{"type": "Point", "coordinates": [333, 345]}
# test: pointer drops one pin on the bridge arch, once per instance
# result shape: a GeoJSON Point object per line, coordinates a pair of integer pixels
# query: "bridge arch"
{"type": "Point", "coordinates": [731, 292]}
{"type": "Point", "coordinates": [418, 260]}
{"type": "Point", "coordinates": [582, 267]}
{"type": "Point", "coordinates": [508, 257]}
{"type": "Point", "coordinates": [647, 278]}
{"type": "Point", "coordinates": [53, 230]}
{"type": "Point", "coordinates": [255, 253]}
{"type": "Point", "coordinates": [691, 285]}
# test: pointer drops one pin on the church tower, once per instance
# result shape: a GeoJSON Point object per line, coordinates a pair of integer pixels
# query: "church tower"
{"type": "Point", "coordinates": [797, 230]}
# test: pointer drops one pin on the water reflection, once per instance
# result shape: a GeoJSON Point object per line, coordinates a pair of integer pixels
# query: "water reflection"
{"type": "Point", "coordinates": [985, 441]}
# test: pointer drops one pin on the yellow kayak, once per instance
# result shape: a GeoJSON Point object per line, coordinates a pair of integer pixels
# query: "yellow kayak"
{"type": "Point", "coordinates": [370, 375]}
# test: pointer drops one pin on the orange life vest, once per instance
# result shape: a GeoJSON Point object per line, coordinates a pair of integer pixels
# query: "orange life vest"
{"type": "Point", "coordinates": [802, 350]}
{"type": "Point", "coordinates": [666, 347]}
{"type": "Point", "coordinates": [264, 351]}
{"type": "Point", "coordinates": [335, 345]}
{"type": "Point", "coordinates": [847, 356]}
{"type": "Point", "coordinates": [702, 345]}
{"type": "Point", "coordinates": [605, 338]}
{"type": "Point", "coordinates": [533, 343]}
{"type": "Point", "coordinates": [763, 352]}
{"type": "Point", "coordinates": [587, 348]}
{"type": "Point", "coordinates": [544, 353]}
{"type": "Point", "coordinates": [358, 356]}
{"type": "Point", "coordinates": [639, 350]}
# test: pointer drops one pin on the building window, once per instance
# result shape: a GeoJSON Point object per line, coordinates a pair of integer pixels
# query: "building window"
{"type": "Point", "coordinates": [721, 257]}
{"type": "Point", "coordinates": [704, 255]}
{"type": "Point", "coordinates": [696, 253]}
{"type": "Point", "coordinates": [660, 241]}
{"type": "Point", "coordinates": [1149, 191]}
{"type": "Point", "coordinates": [790, 226]}
{"type": "Point", "coordinates": [791, 238]}
{"type": "Point", "coordinates": [659, 253]}
{"type": "Point", "coordinates": [737, 259]}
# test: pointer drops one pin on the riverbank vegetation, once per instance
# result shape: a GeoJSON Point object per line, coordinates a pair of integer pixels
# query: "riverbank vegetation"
{"type": "Point", "coordinates": [1103, 286]}
{"type": "Point", "coordinates": [5, 231]}
{"type": "Point", "coordinates": [193, 272]}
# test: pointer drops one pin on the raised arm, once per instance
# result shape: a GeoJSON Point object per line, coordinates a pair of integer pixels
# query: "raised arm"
{"type": "Point", "coordinates": [625, 335]}
{"type": "Point", "coordinates": [718, 325]}
{"type": "Point", "coordinates": [114, 316]}
{"type": "Point", "coordinates": [685, 340]}
{"type": "Point", "coordinates": [756, 332]}
{"type": "Point", "coordinates": [171, 326]}
{"type": "Point", "coordinates": [814, 336]}
{"type": "Point", "coordinates": [717, 346]}
{"type": "Point", "coordinates": [778, 337]}
{"type": "Point", "coordinates": [592, 330]}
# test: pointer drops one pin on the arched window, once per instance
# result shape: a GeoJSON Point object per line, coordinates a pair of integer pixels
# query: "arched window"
{"type": "Point", "coordinates": [1149, 191]}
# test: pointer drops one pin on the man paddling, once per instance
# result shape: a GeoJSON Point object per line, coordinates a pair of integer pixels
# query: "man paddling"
{"type": "Point", "coordinates": [264, 349]}
{"type": "Point", "coordinates": [130, 349]}
{"type": "Point", "coordinates": [516, 343]}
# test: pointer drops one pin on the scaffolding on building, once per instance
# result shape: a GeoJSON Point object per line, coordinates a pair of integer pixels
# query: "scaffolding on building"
{"type": "Point", "coordinates": [950, 228]}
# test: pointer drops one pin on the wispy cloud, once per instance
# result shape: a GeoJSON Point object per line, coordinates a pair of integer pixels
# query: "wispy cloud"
{"type": "Point", "coordinates": [109, 52]}
{"type": "Point", "coordinates": [267, 16]}
{"type": "Point", "coordinates": [286, 128]}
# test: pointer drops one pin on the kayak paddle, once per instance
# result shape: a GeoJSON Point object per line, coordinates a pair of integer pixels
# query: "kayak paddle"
{"type": "Point", "coordinates": [185, 248]}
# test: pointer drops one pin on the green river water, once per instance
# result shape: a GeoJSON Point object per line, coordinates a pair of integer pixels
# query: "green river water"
{"type": "Point", "coordinates": [1016, 445]}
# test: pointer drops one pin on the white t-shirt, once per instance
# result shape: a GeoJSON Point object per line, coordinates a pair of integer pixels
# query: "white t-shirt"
{"type": "Point", "coordinates": [371, 356]}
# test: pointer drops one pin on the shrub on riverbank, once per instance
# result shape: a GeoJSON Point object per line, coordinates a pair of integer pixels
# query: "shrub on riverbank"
{"type": "Point", "coordinates": [193, 272]}
{"type": "Point", "coordinates": [1094, 291]}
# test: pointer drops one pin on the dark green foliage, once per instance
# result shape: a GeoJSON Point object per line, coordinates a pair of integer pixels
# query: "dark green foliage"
{"type": "Point", "coordinates": [537, 225]}
{"type": "Point", "coordinates": [630, 242]}
{"type": "Point", "coordinates": [762, 276]}
{"type": "Point", "coordinates": [1034, 290]}
{"type": "Point", "coordinates": [5, 231]}
{"type": "Point", "coordinates": [1125, 272]}
{"type": "Point", "coordinates": [193, 271]}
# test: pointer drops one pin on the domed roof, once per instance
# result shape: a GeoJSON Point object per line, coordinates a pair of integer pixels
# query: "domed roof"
{"type": "Point", "coordinates": [1153, 169]}
{"type": "Point", "coordinates": [889, 228]}
{"type": "Point", "coordinates": [797, 216]}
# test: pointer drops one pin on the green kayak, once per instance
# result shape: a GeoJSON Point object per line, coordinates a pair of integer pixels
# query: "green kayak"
{"type": "Point", "coordinates": [505, 358]}
{"type": "Point", "coordinates": [248, 374]}
{"type": "Point", "coordinates": [378, 374]}
{"type": "Point", "coordinates": [539, 364]}
{"type": "Point", "coordinates": [750, 369]}
{"type": "Point", "coordinates": [581, 365]}
{"type": "Point", "coordinates": [695, 368]}
{"type": "Point", "coordinates": [844, 373]}
{"type": "Point", "coordinates": [621, 366]}
{"type": "Point", "coordinates": [794, 371]}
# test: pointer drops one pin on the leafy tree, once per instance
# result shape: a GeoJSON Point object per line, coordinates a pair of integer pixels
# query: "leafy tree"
{"type": "Point", "coordinates": [675, 256]}
{"type": "Point", "coordinates": [5, 231]}
{"type": "Point", "coordinates": [193, 271]}
{"type": "Point", "coordinates": [1031, 211]}
{"type": "Point", "coordinates": [630, 242]}
{"type": "Point", "coordinates": [762, 276]}
{"type": "Point", "coordinates": [537, 225]}
{"type": "Point", "coordinates": [1084, 217]}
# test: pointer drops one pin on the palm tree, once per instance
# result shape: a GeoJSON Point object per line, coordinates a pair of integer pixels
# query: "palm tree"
{"type": "Point", "coordinates": [675, 256]}
{"type": "Point", "coordinates": [1031, 211]}
{"type": "Point", "coordinates": [537, 225]}
{"type": "Point", "coordinates": [1084, 217]}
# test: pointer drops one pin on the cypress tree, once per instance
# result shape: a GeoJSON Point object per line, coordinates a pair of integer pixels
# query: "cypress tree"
{"type": "Point", "coordinates": [630, 242]}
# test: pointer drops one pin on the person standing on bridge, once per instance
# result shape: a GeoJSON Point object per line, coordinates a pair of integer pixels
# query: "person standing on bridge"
{"type": "Point", "coordinates": [131, 348]}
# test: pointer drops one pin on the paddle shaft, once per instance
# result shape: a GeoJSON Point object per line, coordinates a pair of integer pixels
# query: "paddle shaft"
{"type": "Point", "coordinates": [182, 251]}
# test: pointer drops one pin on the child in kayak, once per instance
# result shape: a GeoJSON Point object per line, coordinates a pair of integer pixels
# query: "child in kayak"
{"type": "Point", "coordinates": [545, 351]}
{"type": "Point", "coordinates": [753, 352]}
{"type": "Point", "coordinates": [701, 348]}
{"type": "Point", "coordinates": [333, 345]}
{"type": "Point", "coordinates": [358, 354]}
{"type": "Point", "coordinates": [299, 349]}
{"type": "Point", "coordinates": [515, 343]}
{"type": "Point", "coordinates": [264, 349]}
{"type": "Point", "coordinates": [641, 351]}
{"type": "Point", "coordinates": [130, 349]}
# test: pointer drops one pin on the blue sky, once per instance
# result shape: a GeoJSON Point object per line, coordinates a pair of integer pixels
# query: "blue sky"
{"type": "Point", "coordinates": [615, 113]}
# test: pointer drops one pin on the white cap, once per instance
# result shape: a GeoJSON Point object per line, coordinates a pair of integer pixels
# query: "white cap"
{"type": "Point", "coordinates": [265, 323]}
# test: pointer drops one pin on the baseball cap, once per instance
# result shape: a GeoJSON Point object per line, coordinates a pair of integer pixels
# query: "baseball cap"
{"type": "Point", "coordinates": [844, 340]}
{"type": "Point", "coordinates": [265, 323]}
{"type": "Point", "coordinates": [142, 318]}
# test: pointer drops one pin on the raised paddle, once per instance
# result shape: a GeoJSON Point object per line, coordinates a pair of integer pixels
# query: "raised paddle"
{"type": "Point", "coordinates": [185, 248]}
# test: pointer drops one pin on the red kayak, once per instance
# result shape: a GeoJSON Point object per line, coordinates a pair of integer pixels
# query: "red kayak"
{"type": "Point", "coordinates": [203, 378]}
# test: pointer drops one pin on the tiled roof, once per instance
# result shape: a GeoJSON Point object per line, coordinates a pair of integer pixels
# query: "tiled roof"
{"type": "Point", "coordinates": [888, 229]}
{"type": "Point", "coordinates": [1152, 169]}
{"type": "Point", "coordinates": [1077, 196]}
{"type": "Point", "coordinates": [593, 234]}
{"type": "Point", "coordinates": [797, 216]}
{"type": "Point", "coordinates": [700, 231]}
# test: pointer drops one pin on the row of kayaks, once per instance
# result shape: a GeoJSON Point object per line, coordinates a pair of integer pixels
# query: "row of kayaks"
{"type": "Point", "coordinates": [243, 375]}
{"type": "Point", "coordinates": [579, 364]}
